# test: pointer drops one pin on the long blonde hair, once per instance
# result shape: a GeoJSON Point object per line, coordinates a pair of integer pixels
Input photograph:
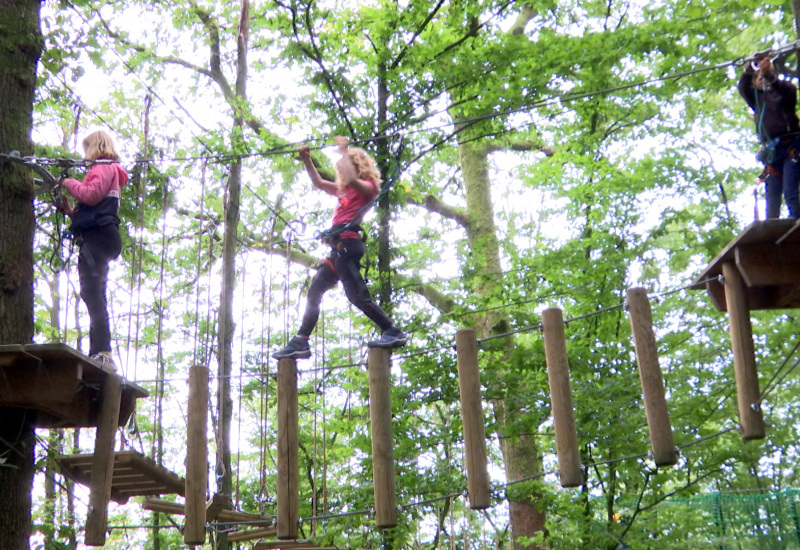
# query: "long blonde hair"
{"type": "Point", "coordinates": [364, 165]}
{"type": "Point", "coordinates": [99, 145]}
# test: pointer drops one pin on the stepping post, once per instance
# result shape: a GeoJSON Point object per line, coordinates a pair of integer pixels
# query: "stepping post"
{"type": "Point", "coordinates": [469, 385]}
{"type": "Point", "coordinates": [288, 467]}
{"type": "Point", "coordinates": [380, 414]}
{"type": "Point", "coordinates": [744, 357]}
{"type": "Point", "coordinates": [555, 347]}
{"type": "Point", "coordinates": [103, 466]}
{"type": "Point", "coordinates": [194, 531]}
{"type": "Point", "coordinates": [655, 402]}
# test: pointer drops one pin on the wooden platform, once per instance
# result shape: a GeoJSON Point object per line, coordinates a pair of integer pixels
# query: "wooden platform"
{"type": "Point", "coordinates": [134, 475]}
{"type": "Point", "coordinates": [767, 254]}
{"type": "Point", "coordinates": [59, 383]}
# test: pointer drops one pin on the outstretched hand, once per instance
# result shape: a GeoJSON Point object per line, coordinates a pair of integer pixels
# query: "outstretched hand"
{"type": "Point", "coordinates": [304, 152]}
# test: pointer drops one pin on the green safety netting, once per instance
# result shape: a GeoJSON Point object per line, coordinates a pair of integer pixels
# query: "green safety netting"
{"type": "Point", "coordinates": [735, 521]}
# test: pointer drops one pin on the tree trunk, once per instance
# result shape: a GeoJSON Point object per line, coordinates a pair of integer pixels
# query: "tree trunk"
{"type": "Point", "coordinates": [20, 47]}
{"type": "Point", "coordinates": [520, 455]}
{"type": "Point", "coordinates": [230, 243]}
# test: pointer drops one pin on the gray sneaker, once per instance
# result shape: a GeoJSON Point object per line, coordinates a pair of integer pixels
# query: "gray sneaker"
{"type": "Point", "coordinates": [105, 360]}
{"type": "Point", "coordinates": [390, 339]}
{"type": "Point", "coordinates": [297, 348]}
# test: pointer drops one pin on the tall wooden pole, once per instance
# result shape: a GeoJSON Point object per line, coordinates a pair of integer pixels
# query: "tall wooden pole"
{"type": "Point", "coordinates": [103, 465]}
{"type": "Point", "coordinates": [555, 348]}
{"type": "Point", "coordinates": [380, 414]}
{"type": "Point", "coordinates": [655, 402]}
{"type": "Point", "coordinates": [469, 384]}
{"type": "Point", "coordinates": [744, 356]}
{"type": "Point", "coordinates": [288, 493]}
{"type": "Point", "coordinates": [194, 531]}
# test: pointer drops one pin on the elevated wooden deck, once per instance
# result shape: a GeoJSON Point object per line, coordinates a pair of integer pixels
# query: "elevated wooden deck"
{"type": "Point", "coordinates": [134, 475]}
{"type": "Point", "coordinates": [62, 385]}
{"type": "Point", "coordinates": [767, 254]}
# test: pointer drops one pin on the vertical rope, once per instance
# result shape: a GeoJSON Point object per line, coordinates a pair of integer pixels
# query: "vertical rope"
{"type": "Point", "coordinates": [198, 265]}
{"type": "Point", "coordinates": [138, 245]}
{"type": "Point", "coordinates": [160, 368]}
{"type": "Point", "coordinates": [324, 424]}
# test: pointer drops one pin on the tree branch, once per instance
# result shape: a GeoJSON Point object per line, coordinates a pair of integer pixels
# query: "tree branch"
{"type": "Point", "coordinates": [432, 204]}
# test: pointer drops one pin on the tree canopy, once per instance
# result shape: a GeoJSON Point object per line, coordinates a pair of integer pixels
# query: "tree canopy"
{"type": "Point", "coordinates": [537, 154]}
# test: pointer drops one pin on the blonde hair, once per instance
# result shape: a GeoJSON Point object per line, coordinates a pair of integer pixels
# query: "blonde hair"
{"type": "Point", "coordinates": [364, 165]}
{"type": "Point", "coordinates": [98, 145]}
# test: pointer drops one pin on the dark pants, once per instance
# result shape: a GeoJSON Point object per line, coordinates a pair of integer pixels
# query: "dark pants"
{"type": "Point", "coordinates": [345, 258]}
{"type": "Point", "coordinates": [786, 184]}
{"type": "Point", "coordinates": [98, 247]}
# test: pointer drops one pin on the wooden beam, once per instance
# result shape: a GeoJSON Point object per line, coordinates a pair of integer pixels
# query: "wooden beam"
{"type": "Point", "coordinates": [251, 534]}
{"type": "Point", "coordinates": [233, 516]}
{"type": "Point", "coordinates": [194, 532]}
{"type": "Point", "coordinates": [288, 492]}
{"type": "Point", "coordinates": [555, 347]}
{"type": "Point", "coordinates": [103, 467]}
{"type": "Point", "coordinates": [767, 264]}
{"type": "Point", "coordinates": [469, 384]}
{"type": "Point", "coordinates": [380, 414]}
{"type": "Point", "coordinates": [217, 504]}
{"type": "Point", "coordinates": [655, 402]}
{"type": "Point", "coordinates": [744, 360]}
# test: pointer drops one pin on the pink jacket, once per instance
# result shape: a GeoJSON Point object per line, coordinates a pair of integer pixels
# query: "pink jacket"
{"type": "Point", "coordinates": [102, 180]}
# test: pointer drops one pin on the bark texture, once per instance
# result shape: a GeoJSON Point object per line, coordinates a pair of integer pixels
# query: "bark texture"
{"type": "Point", "coordinates": [521, 454]}
{"type": "Point", "coordinates": [20, 47]}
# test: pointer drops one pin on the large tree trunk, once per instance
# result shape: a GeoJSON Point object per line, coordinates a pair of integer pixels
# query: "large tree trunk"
{"type": "Point", "coordinates": [20, 47]}
{"type": "Point", "coordinates": [520, 455]}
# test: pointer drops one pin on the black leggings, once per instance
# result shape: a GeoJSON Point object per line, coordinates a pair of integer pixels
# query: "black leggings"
{"type": "Point", "coordinates": [99, 246]}
{"type": "Point", "coordinates": [345, 258]}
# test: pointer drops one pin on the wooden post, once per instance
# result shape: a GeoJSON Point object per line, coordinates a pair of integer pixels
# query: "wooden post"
{"type": "Point", "coordinates": [469, 385]}
{"type": "Point", "coordinates": [655, 402]}
{"type": "Point", "coordinates": [194, 531]}
{"type": "Point", "coordinates": [555, 348]}
{"type": "Point", "coordinates": [744, 356]}
{"type": "Point", "coordinates": [103, 466]}
{"type": "Point", "coordinates": [380, 414]}
{"type": "Point", "coordinates": [288, 493]}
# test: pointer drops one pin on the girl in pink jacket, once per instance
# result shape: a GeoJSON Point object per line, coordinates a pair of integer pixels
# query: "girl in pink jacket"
{"type": "Point", "coordinates": [95, 223]}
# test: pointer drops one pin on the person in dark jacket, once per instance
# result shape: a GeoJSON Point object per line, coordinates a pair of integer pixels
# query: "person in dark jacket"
{"type": "Point", "coordinates": [773, 102]}
{"type": "Point", "coordinates": [357, 184]}
{"type": "Point", "coordinates": [95, 223]}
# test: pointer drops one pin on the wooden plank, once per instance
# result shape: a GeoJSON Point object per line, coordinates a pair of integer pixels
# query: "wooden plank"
{"type": "Point", "coordinates": [766, 231]}
{"type": "Point", "coordinates": [288, 492]}
{"type": "Point", "coordinates": [469, 384]}
{"type": "Point", "coordinates": [655, 402]}
{"type": "Point", "coordinates": [744, 360]}
{"type": "Point", "coordinates": [380, 415]}
{"type": "Point", "coordinates": [218, 503]}
{"type": "Point", "coordinates": [251, 534]}
{"type": "Point", "coordinates": [194, 532]}
{"type": "Point", "coordinates": [103, 468]}
{"type": "Point", "coordinates": [767, 264]}
{"type": "Point", "coordinates": [233, 516]}
{"type": "Point", "coordinates": [555, 348]}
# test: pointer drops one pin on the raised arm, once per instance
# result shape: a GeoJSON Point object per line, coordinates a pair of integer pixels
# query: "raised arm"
{"type": "Point", "coordinates": [316, 180]}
